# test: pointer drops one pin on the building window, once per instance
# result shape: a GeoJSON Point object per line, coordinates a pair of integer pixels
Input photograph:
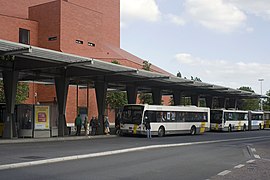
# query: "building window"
{"type": "Point", "coordinates": [79, 41]}
{"type": "Point", "coordinates": [53, 38]}
{"type": "Point", "coordinates": [24, 36]}
{"type": "Point", "coordinates": [91, 44]}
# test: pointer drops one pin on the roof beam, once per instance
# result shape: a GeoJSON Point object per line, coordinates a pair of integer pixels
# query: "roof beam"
{"type": "Point", "coordinates": [17, 51]}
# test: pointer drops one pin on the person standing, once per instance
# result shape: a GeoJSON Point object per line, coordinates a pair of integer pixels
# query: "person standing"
{"type": "Point", "coordinates": [107, 125]}
{"type": "Point", "coordinates": [78, 124]}
{"type": "Point", "coordinates": [86, 126]}
{"type": "Point", "coordinates": [93, 126]}
{"type": "Point", "coordinates": [148, 127]}
{"type": "Point", "coordinates": [117, 124]}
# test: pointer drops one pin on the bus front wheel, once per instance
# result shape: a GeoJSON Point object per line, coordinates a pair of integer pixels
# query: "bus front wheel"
{"type": "Point", "coordinates": [161, 132]}
{"type": "Point", "coordinates": [193, 130]}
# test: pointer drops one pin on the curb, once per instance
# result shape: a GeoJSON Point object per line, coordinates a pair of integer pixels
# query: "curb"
{"type": "Point", "coordinates": [52, 139]}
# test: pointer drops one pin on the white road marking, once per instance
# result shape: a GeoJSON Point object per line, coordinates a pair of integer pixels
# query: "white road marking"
{"type": "Point", "coordinates": [223, 173]}
{"type": "Point", "coordinates": [251, 161]}
{"type": "Point", "coordinates": [239, 166]}
{"type": "Point", "coordinates": [107, 153]}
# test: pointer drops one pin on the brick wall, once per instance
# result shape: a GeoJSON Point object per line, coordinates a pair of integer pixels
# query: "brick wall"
{"type": "Point", "coordinates": [48, 16]}
{"type": "Point", "coordinates": [10, 29]}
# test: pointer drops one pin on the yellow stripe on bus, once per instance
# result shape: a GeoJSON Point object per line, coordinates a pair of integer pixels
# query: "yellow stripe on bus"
{"type": "Point", "coordinates": [239, 126]}
{"type": "Point", "coordinates": [202, 129]}
{"type": "Point", "coordinates": [216, 128]}
{"type": "Point", "coordinates": [267, 124]}
{"type": "Point", "coordinates": [135, 128]}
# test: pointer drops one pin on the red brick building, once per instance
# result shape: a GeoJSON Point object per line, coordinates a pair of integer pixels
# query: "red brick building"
{"type": "Point", "coordinates": [88, 28]}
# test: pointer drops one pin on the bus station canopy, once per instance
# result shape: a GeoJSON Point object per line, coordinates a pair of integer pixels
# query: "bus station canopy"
{"type": "Point", "coordinates": [43, 65]}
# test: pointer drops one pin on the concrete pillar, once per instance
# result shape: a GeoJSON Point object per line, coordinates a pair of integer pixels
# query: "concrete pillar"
{"type": "Point", "coordinates": [156, 95]}
{"type": "Point", "coordinates": [195, 100]}
{"type": "Point", "coordinates": [209, 102]}
{"type": "Point", "coordinates": [61, 87]}
{"type": "Point", "coordinates": [101, 91]}
{"type": "Point", "coordinates": [177, 98]}
{"type": "Point", "coordinates": [10, 80]}
{"type": "Point", "coordinates": [132, 92]}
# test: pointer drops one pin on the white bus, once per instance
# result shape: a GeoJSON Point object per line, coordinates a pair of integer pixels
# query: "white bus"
{"type": "Point", "coordinates": [164, 119]}
{"type": "Point", "coordinates": [255, 120]}
{"type": "Point", "coordinates": [228, 120]}
{"type": "Point", "coordinates": [266, 117]}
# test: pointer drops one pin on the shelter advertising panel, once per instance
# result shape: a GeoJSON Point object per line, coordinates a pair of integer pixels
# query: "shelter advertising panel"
{"type": "Point", "coordinates": [42, 117]}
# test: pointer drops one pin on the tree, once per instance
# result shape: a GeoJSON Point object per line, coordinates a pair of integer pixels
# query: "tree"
{"type": "Point", "coordinates": [116, 100]}
{"type": "Point", "coordinates": [22, 88]}
{"type": "Point", "coordinates": [21, 95]}
{"type": "Point", "coordinates": [248, 104]}
{"type": "Point", "coordinates": [146, 66]}
{"type": "Point", "coordinates": [195, 79]}
{"type": "Point", "coordinates": [115, 62]}
{"type": "Point", "coordinates": [145, 98]}
{"type": "Point", "coordinates": [179, 74]}
{"type": "Point", "coordinates": [266, 103]}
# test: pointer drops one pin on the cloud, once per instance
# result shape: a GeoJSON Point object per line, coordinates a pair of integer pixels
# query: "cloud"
{"type": "Point", "coordinates": [218, 15]}
{"type": "Point", "coordinates": [146, 10]}
{"type": "Point", "coordinates": [176, 19]}
{"type": "Point", "coordinates": [223, 72]}
{"type": "Point", "coordinates": [260, 8]}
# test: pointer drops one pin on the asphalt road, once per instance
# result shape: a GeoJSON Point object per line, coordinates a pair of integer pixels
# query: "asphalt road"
{"type": "Point", "coordinates": [187, 157]}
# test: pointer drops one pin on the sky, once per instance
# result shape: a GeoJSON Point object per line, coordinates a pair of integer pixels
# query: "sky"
{"type": "Point", "coordinates": [223, 42]}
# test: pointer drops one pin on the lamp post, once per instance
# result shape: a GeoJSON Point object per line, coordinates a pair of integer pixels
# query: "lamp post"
{"type": "Point", "coordinates": [261, 102]}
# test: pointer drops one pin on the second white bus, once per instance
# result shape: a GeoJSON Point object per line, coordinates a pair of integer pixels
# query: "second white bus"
{"type": "Point", "coordinates": [228, 120]}
{"type": "Point", "coordinates": [255, 120]}
{"type": "Point", "coordinates": [164, 119]}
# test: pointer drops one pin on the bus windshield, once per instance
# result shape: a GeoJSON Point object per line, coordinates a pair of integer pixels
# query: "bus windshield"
{"type": "Point", "coordinates": [216, 117]}
{"type": "Point", "coordinates": [132, 114]}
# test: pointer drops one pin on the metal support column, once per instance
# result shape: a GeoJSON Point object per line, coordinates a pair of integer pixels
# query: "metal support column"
{"type": "Point", "coordinates": [195, 100]}
{"type": "Point", "coordinates": [10, 80]}
{"type": "Point", "coordinates": [221, 102]}
{"type": "Point", "coordinates": [156, 95]}
{"type": "Point", "coordinates": [177, 98]}
{"type": "Point", "coordinates": [61, 87]}
{"type": "Point", "coordinates": [232, 103]}
{"type": "Point", "coordinates": [209, 102]}
{"type": "Point", "coordinates": [101, 91]}
{"type": "Point", "coordinates": [132, 92]}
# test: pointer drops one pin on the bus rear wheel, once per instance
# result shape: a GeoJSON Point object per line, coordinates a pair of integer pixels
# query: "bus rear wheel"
{"type": "Point", "coordinates": [161, 132]}
{"type": "Point", "coordinates": [193, 130]}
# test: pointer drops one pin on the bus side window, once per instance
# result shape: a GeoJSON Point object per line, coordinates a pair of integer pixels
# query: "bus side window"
{"type": "Point", "coordinates": [173, 116]}
{"type": "Point", "coordinates": [178, 117]}
{"type": "Point", "coordinates": [163, 116]}
{"type": "Point", "coordinates": [158, 117]}
{"type": "Point", "coordinates": [151, 116]}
